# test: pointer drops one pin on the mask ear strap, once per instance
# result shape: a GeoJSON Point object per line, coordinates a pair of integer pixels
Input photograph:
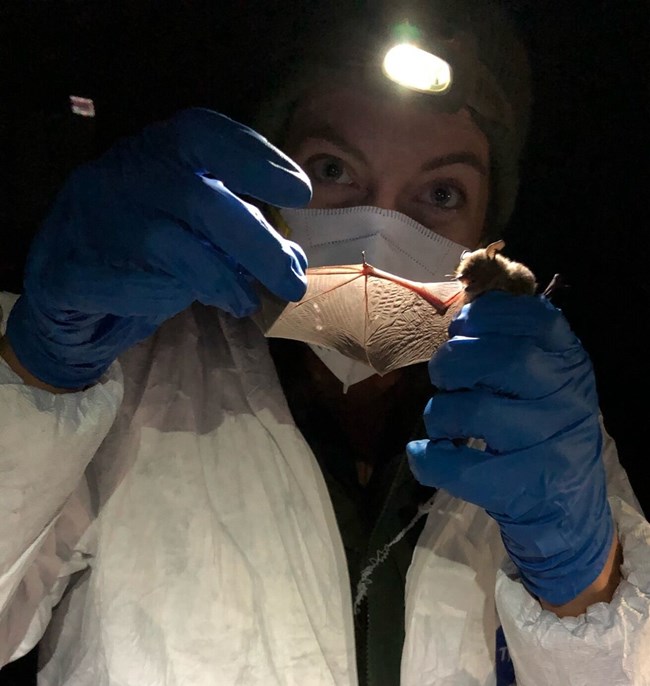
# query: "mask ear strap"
{"type": "Point", "coordinates": [277, 220]}
{"type": "Point", "coordinates": [456, 275]}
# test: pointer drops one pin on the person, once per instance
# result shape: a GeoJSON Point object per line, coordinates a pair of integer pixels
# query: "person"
{"type": "Point", "coordinates": [187, 502]}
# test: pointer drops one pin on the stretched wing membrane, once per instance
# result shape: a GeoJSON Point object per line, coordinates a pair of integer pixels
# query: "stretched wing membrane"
{"type": "Point", "coordinates": [366, 314]}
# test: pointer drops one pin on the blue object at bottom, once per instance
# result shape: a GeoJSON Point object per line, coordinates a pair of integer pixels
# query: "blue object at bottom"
{"type": "Point", "coordinates": [505, 668]}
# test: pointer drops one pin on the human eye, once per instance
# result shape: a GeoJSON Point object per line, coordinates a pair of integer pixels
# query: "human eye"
{"type": "Point", "coordinates": [445, 195]}
{"type": "Point", "coordinates": [328, 169]}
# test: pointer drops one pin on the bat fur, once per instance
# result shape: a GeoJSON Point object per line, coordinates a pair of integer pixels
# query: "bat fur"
{"type": "Point", "coordinates": [485, 270]}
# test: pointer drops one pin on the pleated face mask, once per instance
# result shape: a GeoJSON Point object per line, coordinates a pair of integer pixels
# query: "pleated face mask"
{"type": "Point", "coordinates": [386, 239]}
{"type": "Point", "coordinates": [390, 240]}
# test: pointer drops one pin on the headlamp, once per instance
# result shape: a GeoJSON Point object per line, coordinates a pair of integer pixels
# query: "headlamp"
{"type": "Point", "coordinates": [413, 67]}
{"type": "Point", "coordinates": [417, 69]}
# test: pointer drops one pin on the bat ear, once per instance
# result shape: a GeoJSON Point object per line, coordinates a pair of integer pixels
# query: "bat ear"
{"type": "Point", "coordinates": [493, 248]}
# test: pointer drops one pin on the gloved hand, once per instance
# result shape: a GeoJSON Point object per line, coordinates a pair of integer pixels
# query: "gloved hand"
{"type": "Point", "coordinates": [139, 234]}
{"type": "Point", "coordinates": [515, 375]}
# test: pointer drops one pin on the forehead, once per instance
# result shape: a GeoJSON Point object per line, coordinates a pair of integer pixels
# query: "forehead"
{"type": "Point", "coordinates": [371, 120]}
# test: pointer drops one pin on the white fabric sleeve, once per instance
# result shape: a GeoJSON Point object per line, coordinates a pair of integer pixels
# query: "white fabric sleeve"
{"type": "Point", "coordinates": [46, 442]}
{"type": "Point", "coordinates": [608, 645]}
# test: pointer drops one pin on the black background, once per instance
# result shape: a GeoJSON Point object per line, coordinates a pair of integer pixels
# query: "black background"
{"type": "Point", "coordinates": [584, 201]}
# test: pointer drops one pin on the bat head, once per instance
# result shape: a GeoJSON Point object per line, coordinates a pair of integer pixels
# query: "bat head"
{"type": "Point", "coordinates": [485, 270]}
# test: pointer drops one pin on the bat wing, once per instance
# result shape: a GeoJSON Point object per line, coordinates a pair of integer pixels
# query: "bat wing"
{"type": "Point", "coordinates": [366, 314]}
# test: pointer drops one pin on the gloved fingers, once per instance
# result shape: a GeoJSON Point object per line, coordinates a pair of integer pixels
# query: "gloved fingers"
{"type": "Point", "coordinates": [204, 270]}
{"type": "Point", "coordinates": [506, 424]}
{"type": "Point", "coordinates": [514, 483]}
{"type": "Point", "coordinates": [209, 142]}
{"type": "Point", "coordinates": [129, 292]}
{"type": "Point", "coordinates": [465, 472]}
{"type": "Point", "coordinates": [511, 365]}
{"type": "Point", "coordinates": [239, 230]}
{"type": "Point", "coordinates": [505, 314]}
{"type": "Point", "coordinates": [118, 290]}
{"type": "Point", "coordinates": [107, 341]}
{"type": "Point", "coordinates": [204, 208]}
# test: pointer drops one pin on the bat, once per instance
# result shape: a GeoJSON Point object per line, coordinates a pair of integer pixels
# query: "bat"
{"type": "Point", "coordinates": [485, 270]}
{"type": "Point", "coordinates": [384, 320]}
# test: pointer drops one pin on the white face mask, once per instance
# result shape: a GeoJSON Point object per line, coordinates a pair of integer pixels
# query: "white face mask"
{"type": "Point", "coordinates": [389, 240]}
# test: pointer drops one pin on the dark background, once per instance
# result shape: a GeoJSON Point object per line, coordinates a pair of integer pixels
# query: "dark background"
{"type": "Point", "coordinates": [583, 206]}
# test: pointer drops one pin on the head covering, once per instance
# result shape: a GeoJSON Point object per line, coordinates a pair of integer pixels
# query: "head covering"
{"type": "Point", "coordinates": [346, 45]}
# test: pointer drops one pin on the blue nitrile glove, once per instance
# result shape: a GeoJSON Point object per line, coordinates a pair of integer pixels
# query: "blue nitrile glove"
{"type": "Point", "coordinates": [515, 375]}
{"type": "Point", "coordinates": [139, 234]}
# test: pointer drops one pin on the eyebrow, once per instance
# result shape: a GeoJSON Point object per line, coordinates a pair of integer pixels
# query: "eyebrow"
{"type": "Point", "coordinates": [464, 157]}
{"type": "Point", "coordinates": [329, 134]}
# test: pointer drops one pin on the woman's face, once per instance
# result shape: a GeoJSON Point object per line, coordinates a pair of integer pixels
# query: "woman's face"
{"type": "Point", "coordinates": [361, 149]}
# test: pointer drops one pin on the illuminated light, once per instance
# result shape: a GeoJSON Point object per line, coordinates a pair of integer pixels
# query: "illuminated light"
{"type": "Point", "coordinates": [417, 69]}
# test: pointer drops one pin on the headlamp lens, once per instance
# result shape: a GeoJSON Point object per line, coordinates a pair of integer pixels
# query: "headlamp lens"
{"type": "Point", "coordinates": [417, 69]}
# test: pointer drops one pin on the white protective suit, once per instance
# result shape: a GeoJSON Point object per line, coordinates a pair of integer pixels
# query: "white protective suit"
{"type": "Point", "coordinates": [171, 527]}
